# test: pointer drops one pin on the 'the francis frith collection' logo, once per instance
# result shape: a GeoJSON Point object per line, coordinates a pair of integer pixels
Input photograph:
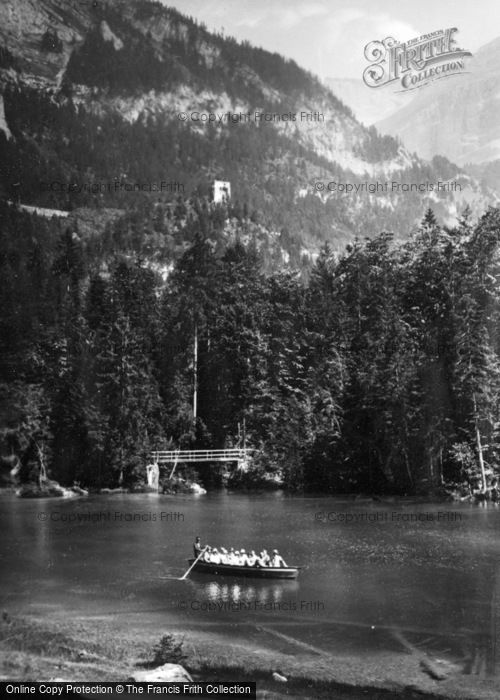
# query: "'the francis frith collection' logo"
{"type": "Point", "coordinates": [414, 63]}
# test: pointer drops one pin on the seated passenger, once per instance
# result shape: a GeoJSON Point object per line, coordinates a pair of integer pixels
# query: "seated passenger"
{"type": "Point", "coordinates": [224, 556]}
{"type": "Point", "coordinates": [215, 556]}
{"type": "Point", "coordinates": [252, 558]}
{"type": "Point", "coordinates": [259, 561]}
{"type": "Point", "coordinates": [207, 556]}
{"type": "Point", "coordinates": [231, 557]}
{"type": "Point", "coordinates": [238, 558]}
{"type": "Point", "coordinates": [265, 558]}
{"type": "Point", "coordinates": [277, 560]}
{"type": "Point", "coordinates": [244, 558]}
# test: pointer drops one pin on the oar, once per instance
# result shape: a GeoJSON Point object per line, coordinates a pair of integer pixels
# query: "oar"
{"type": "Point", "coordinates": [183, 578]}
{"type": "Point", "coordinates": [192, 565]}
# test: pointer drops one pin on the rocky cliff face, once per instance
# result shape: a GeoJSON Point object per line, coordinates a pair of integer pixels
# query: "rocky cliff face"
{"type": "Point", "coordinates": [26, 28]}
{"type": "Point", "coordinates": [456, 117]}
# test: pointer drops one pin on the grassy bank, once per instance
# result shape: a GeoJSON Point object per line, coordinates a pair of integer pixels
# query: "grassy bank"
{"type": "Point", "coordinates": [99, 649]}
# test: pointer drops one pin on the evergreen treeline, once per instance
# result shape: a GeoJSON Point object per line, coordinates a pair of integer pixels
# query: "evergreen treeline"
{"type": "Point", "coordinates": [380, 374]}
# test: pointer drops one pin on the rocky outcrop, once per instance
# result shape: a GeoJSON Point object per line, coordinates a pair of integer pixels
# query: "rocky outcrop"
{"type": "Point", "coordinates": [180, 485]}
{"type": "Point", "coordinates": [9, 470]}
{"type": "Point", "coordinates": [163, 674]}
{"type": "Point", "coordinates": [279, 678]}
{"type": "Point", "coordinates": [49, 488]}
{"type": "Point", "coordinates": [108, 35]}
{"type": "Point", "coordinates": [3, 122]}
{"type": "Point", "coordinates": [24, 24]}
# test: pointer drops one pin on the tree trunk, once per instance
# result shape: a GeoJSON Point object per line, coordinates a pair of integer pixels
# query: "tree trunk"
{"type": "Point", "coordinates": [42, 472]}
{"type": "Point", "coordinates": [479, 444]}
{"type": "Point", "coordinates": [195, 373]}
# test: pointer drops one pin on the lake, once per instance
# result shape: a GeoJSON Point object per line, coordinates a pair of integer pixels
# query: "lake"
{"type": "Point", "coordinates": [373, 573]}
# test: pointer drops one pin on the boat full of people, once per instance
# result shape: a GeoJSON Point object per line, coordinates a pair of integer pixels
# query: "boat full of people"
{"type": "Point", "coordinates": [233, 562]}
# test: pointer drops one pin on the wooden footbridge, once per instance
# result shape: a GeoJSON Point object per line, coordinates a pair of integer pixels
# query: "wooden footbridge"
{"type": "Point", "coordinates": [239, 455]}
{"type": "Point", "coordinates": [235, 454]}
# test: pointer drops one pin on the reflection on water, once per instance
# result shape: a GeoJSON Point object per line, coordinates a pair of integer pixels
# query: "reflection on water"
{"type": "Point", "coordinates": [430, 585]}
{"type": "Point", "coordinates": [240, 591]}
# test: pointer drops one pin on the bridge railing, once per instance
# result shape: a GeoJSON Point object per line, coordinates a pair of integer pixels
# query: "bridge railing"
{"type": "Point", "coordinates": [200, 455]}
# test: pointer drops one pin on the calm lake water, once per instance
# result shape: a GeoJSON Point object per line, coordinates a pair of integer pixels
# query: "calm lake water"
{"type": "Point", "coordinates": [431, 573]}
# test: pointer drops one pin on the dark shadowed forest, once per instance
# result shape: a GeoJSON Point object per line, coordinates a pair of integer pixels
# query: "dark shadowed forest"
{"type": "Point", "coordinates": [378, 372]}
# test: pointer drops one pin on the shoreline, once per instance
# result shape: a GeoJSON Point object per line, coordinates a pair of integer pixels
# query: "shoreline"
{"type": "Point", "coordinates": [99, 649]}
{"type": "Point", "coordinates": [351, 498]}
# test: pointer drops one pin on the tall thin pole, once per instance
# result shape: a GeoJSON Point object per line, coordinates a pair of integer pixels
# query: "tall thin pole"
{"type": "Point", "coordinates": [478, 442]}
{"type": "Point", "coordinates": [195, 371]}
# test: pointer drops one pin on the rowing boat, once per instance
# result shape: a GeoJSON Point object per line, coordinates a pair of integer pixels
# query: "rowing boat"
{"type": "Point", "coordinates": [205, 567]}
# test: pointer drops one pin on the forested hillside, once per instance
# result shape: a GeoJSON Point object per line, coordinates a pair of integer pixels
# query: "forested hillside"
{"type": "Point", "coordinates": [371, 365]}
{"type": "Point", "coordinates": [378, 374]}
{"type": "Point", "coordinates": [92, 105]}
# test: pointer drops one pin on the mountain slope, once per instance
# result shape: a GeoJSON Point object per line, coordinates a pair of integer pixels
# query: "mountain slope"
{"type": "Point", "coordinates": [368, 105]}
{"type": "Point", "coordinates": [105, 104]}
{"type": "Point", "coordinates": [457, 117]}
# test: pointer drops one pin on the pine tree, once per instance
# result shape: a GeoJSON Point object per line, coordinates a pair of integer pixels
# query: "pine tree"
{"type": "Point", "coordinates": [477, 367]}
